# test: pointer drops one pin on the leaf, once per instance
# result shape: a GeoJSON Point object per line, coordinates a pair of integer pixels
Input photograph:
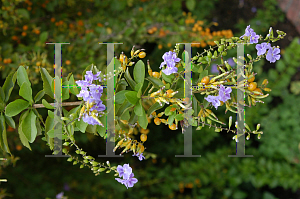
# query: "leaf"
{"type": "Point", "coordinates": [22, 76]}
{"type": "Point", "coordinates": [180, 93]}
{"type": "Point", "coordinates": [10, 121]}
{"type": "Point", "coordinates": [190, 4]}
{"type": "Point", "coordinates": [73, 86]}
{"type": "Point", "coordinates": [168, 78]}
{"type": "Point", "coordinates": [138, 109]}
{"type": "Point", "coordinates": [23, 139]}
{"type": "Point", "coordinates": [51, 133]}
{"type": "Point", "coordinates": [138, 89]}
{"type": "Point", "coordinates": [155, 81]}
{"type": "Point", "coordinates": [39, 96]}
{"type": "Point", "coordinates": [120, 97]}
{"type": "Point", "coordinates": [129, 79]}
{"type": "Point", "coordinates": [131, 96]}
{"type": "Point", "coordinates": [15, 107]}
{"type": "Point", "coordinates": [171, 118]}
{"type": "Point", "coordinates": [65, 90]}
{"type": "Point", "coordinates": [26, 92]}
{"type": "Point", "coordinates": [139, 72]}
{"type": "Point", "coordinates": [88, 68]}
{"type": "Point", "coordinates": [133, 119]}
{"type": "Point", "coordinates": [47, 82]}
{"type": "Point", "coordinates": [102, 129]}
{"type": "Point", "coordinates": [23, 12]}
{"type": "Point", "coordinates": [2, 95]}
{"type": "Point", "coordinates": [51, 114]}
{"type": "Point", "coordinates": [81, 125]}
{"type": "Point", "coordinates": [43, 37]}
{"type": "Point", "coordinates": [3, 136]}
{"type": "Point", "coordinates": [143, 121]}
{"type": "Point", "coordinates": [123, 107]}
{"type": "Point", "coordinates": [29, 127]}
{"type": "Point", "coordinates": [9, 85]}
{"type": "Point", "coordinates": [179, 117]}
{"type": "Point", "coordinates": [46, 104]}
{"type": "Point", "coordinates": [154, 107]}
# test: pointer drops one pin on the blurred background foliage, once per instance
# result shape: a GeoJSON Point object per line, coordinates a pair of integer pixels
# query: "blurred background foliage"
{"type": "Point", "coordinates": [156, 25]}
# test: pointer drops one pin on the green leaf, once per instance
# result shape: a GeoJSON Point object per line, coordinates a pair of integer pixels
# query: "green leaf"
{"type": "Point", "coordinates": [65, 90]}
{"type": "Point", "coordinates": [73, 86]}
{"type": "Point", "coordinates": [102, 129]}
{"type": "Point", "coordinates": [29, 127]}
{"type": "Point", "coordinates": [9, 85]}
{"type": "Point", "coordinates": [47, 82]}
{"type": "Point", "coordinates": [91, 129]}
{"type": "Point", "coordinates": [2, 95]}
{"type": "Point", "coordinates": [131, 96]}
{"type": "Point", "coordinates": [129, 79]}
{"type": "Point", "coordinates": [168, 78]}
{"type": "Point", "coordinates": [43, 36]}
{"type": "Point", "coordinates": [179, 117]}
{"type": "Point", "coordinates": [123, 107]}
{"type": "Point", "coordinates": [22, 76]}
{"type": "Point", "coordinates": [121, 85]}
{"type": "Point", "coordinates": [3, 136]}
{"type": "Point", "coordinates": [138, 89]}
{"type": "Point", "coordinates": [23, 13]}
{"type": "Point", "coordinates": [138, 109]}
{"type": "Point", "coordinates": [139, 72]}
{"type": "Point", "coordinates": [15, 107]}
{"type": "Point", "coordinates": [51, 133]}
{"type": "Point", "coordinates": [46, 104]}
{"type": "Point", "coordinates": [155, 81]}
{"type": "Point", "coordinates": [171, 118]}
{"type": "Point", "coordinates": [143, 121]}
{"type": "Point", "coordinates": [10, 121]}
{"type": "Point", "coordinates": [180, 93]}
{"type": "Point", "coordinates": [39, 96]}
{"type": "Point", "coordinates": [26, 92]}
{"type": "Point", "coordinates": [81, 125]}
{"type": "Point", "coordinates": [23, 139]}
{"type": "Point", "coordinates": [51, 114]}
{"type": "Point", "coordinates": [88, 68]}
{"type": "Point", "coordinates": [154, 107]}
{"type": "Point", "coordinates": [120, 97]}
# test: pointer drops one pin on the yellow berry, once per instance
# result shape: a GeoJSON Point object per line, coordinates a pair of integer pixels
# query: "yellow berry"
{"type": "Point", "coordinates": [142, 55]}
{"type": "Point", "coordinates": [257, 90]}
{"type": "Point", "coordinates": [205, 80]}
{"type": "Point", "coordinates": [143, 137]}
{"type": "Point", "coordinates": [251, 79]}
{"type": "Point", "coordinates": [252, 86]}
{"type": "Point", "coordinates": [169, 92]}
{"type": "Point", "coordinates": [172, 127]}
{"type": "Point", "coordinates": [155, 74]}
{"type": "Point", "coordinates": [157, 121]}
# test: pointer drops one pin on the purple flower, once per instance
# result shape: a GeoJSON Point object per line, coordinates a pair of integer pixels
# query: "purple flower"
{"type": "Point", "coordinates": [98, 106]}
{"type": "Point", "coordinates": [170, 58]}
{"type": "Point", "coordinates": [66, 187]}
{"type": "Point", "coordinates": [248, 32]}
{"type": "Point", "coordinates": [124, 171]}
{"type": "Point", "coordinates": [231, 62]}
{"type": "Point", "coordinates": [140, 156]}
{"type": "Point", "coordinates": [90, 77]}
{"type": "Point", "coordinates": [96, 92]}
{"type": "Point", "coordinates": [254, 38]}
{"type": "Point", "coordinates": [90, 120]}
{"type": "Point", "coordinates": [253, 9]}
{"type": "Point", "coordinates": [273, 55]}
{"type": "Point", "coordinates": [60, 195]}
{"type": "Point", "coordinates": [130, 181]}
{"type": "Point", "coordinates": [224, 93]}
{"type": "Point", "coordinates": [262, 48]}
{"type": "Point", "coordinates": [214, 100]}
{"type": "Point", "coordinates": [214, 68]}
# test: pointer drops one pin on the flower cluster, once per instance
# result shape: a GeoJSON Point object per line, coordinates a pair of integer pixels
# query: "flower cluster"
{"type": "Point", "coordinates": [91, 93]}
{"type": "Point", "coordinates": [273, 53]}
{"type": "Point", "coordinates": [224, 95]}
{"type": "Point", "coordinates": [125, 171]}
{"type": "Point", "coordinates": [140, 156]}
{"type": "Point", "coordinates": [170, 59]}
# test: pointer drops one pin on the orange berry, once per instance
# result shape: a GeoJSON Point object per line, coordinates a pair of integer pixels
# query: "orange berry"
{"type": "Point", "coordinates": [258, 90]}
{"type": "Point", "coordinates": [169, 92]}
{"type": "Point", "coordinates": [38, 63]}
{"type": "Point", "coordinates": [157, 121]}
{"type": "Point", "coordinates": [142, 55]}
{"type": "Point", "coordinates": [251, 79]}
{"type": "Point", "coordinates": [79, 13]}
{"type": "Point", "coordinates": [68, 62]}
{"type": "Point", "coordinates": [172, 127]}
{"type": "Point", "coordinates": [150, 31]}
{"type": "Point", "coordinates": [24, 34]}
{"type": "Point", "coordinates": [160, 46]}
{"type": "Point", "coordinates": [80, 23]}
{"type": "Point", "coordinates": [52, 19]}
{"type": "Point", "coordinates": [19, 147]}
{"type": "Point", "coordinates": [14, 38]}
{"type": "Point", "coordinates": [37, 32]}
{"type": "Point", "coordinates": [140, 9]}
{"type": "Point", "coordinates": [100, 24]}
{"type": "Point", "coordinates": [156, 74]}
{"type": "Point", "coordinates": [9, 60]}
{"type": "Point", "coordinates": [61, 22]}
{"type": "Point", "coordinates": [252, 86]}
{"type": "Point", "coordinates": [154, 29]}
{"type": "Point", "coordinates": [143, 137]}
{"type": "Point", "coordinates": [29, 8]}
{"type": "Point", "coordinates": [25, 27]}
{"type": "Point", "coordinates": [205, 80]}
